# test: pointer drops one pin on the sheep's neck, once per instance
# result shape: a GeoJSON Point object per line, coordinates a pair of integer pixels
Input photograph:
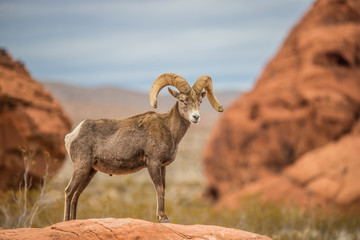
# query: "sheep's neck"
{"type": "Point", "coordinates": [177, 124]}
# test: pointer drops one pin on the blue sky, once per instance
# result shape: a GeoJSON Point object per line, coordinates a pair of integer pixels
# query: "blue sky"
{"type": "Point", "coordinates": [129, 43]}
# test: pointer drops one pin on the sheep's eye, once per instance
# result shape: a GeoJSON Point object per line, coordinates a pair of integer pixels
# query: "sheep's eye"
{"type": "Point", "coordinates": [182, 101]}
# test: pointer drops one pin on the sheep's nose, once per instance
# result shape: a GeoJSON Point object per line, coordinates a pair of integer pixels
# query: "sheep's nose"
{"type": "Point", "coordinates": [196, 117]}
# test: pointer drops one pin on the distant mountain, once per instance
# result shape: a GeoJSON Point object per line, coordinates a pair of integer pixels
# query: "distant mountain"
{"type": "Point", "coordinates": [106, 102]}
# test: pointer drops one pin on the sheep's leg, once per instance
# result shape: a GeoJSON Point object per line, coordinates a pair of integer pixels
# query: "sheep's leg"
{"type": "Point", "coordinates": [157, 174]}
{"type": "Point", "coordinates": [80, 188]}
{"type": "Point", "coordinates": [78, 183]}
{"type": "Point", "coordinates": [69, 193]}
{"type": "Point", "coordinates": [163, 173]}
{"type": "Point", "coordinates": [68, 197]}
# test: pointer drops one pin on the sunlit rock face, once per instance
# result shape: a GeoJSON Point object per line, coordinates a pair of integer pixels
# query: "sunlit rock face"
{"type": "Point", "coordinates": [295, 136]}
{"type": "Point", "coordinates": [127, 228]}
{"type": "Point", "coordinates": [32, 126]}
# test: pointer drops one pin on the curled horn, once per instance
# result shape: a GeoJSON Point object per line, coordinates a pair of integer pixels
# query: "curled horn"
{"type": "Point", "coordinates": [204, 82]}
{"type": "Point", "coordinates": [164, 80]}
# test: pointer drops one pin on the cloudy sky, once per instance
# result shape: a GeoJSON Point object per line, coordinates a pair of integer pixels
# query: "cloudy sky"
{"type": "Point", "coordinates": [129, 43]}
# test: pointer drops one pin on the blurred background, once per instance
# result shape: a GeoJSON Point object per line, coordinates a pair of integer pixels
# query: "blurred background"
{"type": "Point", "coordinates": [286, 71]}
{"type": "Point", "coordinates": [129, 43]}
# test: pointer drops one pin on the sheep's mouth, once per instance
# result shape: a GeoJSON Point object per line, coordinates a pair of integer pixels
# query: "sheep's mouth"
{"type": "Point", "coordinates": [194, 121]}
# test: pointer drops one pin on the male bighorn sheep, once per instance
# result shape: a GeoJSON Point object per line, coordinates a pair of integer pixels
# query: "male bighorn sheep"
{"type": "Point", "coordinates": [150, 139]}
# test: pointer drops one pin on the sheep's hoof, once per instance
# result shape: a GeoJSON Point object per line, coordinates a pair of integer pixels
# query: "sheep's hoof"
{"type": "Point", "coordinates": [164, 219]}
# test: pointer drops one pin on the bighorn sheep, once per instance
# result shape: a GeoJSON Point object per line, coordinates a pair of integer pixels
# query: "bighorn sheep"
{"type": "Point", "coordinates": [122, 146]}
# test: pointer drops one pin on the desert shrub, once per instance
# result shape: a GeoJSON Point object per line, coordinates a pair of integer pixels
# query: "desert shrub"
{"type": "Point", "coordinates": [19, 208]}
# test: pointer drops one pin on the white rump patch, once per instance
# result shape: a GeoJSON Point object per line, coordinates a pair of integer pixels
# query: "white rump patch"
{"type": "Point", "coordinates": [69, 138]}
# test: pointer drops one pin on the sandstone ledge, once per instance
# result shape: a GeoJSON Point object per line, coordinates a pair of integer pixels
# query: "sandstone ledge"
{"type": "Point", "coordinates": [126, 228]}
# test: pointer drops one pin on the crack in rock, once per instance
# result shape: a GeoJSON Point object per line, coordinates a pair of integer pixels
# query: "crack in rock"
{"type": "Point", "coordinates": [62, 230]}
{"type": "Point", "coordinates": [177, 233]}
{"type": "Point", "coordinates": [184, 236]}
{"type": "Point", "coordinates": [107, 228]}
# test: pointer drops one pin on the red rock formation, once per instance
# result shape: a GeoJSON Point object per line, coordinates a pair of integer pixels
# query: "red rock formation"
{"type": "Point", "coordinates": [128, 228]}
{"type": "Point", "coordinates": [297, 118]}
{"type": "Point", "coordinates": [30, 118]}
{"type": "Point", "coordinates": [327, 175]}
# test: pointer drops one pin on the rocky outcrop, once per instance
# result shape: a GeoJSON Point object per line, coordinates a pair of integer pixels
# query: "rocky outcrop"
{"type": "Point", "coordinates": [294, 137]}
{"type": "Point", "coordinates": [110, 228]}
{"type": "Point", "coordinates": [32, 125]}
{"type": "Point", "coordinates": [326, 176]}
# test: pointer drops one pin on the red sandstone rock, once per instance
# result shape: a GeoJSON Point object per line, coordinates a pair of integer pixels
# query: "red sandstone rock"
{"type": "Point", "coordinates": [29, 118]}
{"type": "Point", "coordinates": [278, 138]}
{"type": "Point", "coordinates": [111, 228]}
{"type": "Point", "coordinates": [326, 176]}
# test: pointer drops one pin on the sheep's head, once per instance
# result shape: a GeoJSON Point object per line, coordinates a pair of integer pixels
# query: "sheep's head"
{"type": "Point", "coordinates": [189, 104]}
{"type": "Point", "coordinates": [189, 98]}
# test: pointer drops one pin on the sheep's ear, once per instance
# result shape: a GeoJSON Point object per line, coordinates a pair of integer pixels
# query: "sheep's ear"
{"type": "Point", "coordinates": [203, 94]}
{"type": "Point", "coordinates": [173, 92]}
